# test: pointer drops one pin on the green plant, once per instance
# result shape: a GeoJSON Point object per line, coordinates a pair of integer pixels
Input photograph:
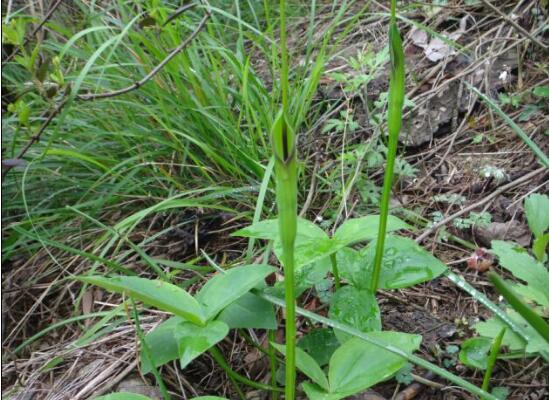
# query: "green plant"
{"type": "Point", "coordinates": [535, 207]}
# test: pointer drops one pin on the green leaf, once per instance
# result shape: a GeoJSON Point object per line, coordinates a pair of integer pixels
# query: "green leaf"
{"type": "Point", "coordinates": [516, 260]}
{"type": "Point", "coordinates": [269, 229]}
{"type": "Point", "coordinates": [319, 344]}
{"type": "Point", "coordinates": [365, 228]}
{"type": "Point", "coordinates": [492, 327]}
{"type": "Point", "coordinates": [357, 308]}
{"type": "Point", "coordinates": [541, 91]}
{"type": "Point", "coordinates": [249, 311]}
{"type": "Point", "coordinates": [315, 392]}
{"type": "Point", "coordinates": [162, 345]}
{"type": "Point", "coordinates": [122, 396]}
{"type": "Point", "coordinates": [193, 340]}
{"type": "Point", "coordinates": [306, 364]}
{"type": "Point", "coordinates": [540, 246]}
{"type": "Point", "coordinates": [358, 365]}
{"type": "Point", "coordinates": [536, 207]}
{"type": "Point", "coordinates": [474, 352]}
{"type": "Point", "coordinates": [501, 392]}
{"type": "Point", "coordinates": [159, 294]}
{"type": "Point", "coordinates": [404, 264]}
{"type": "Point", "coordinates": [223, 289]}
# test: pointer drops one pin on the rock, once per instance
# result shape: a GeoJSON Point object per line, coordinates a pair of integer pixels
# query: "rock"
{"type": "Point", "coordinates": [512, 230]}
{"type": "Point", "coordinates": [134, 384]}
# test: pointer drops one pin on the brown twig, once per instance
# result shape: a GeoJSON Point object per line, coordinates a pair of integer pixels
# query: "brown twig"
{"type": "Point", "coordinates": [34, 32]}
{"type": "Point", "coordinates": [481, 202]}
{"type": "Point", "coordinates": [514, 24]}
{"type": "Point", "coordinates": [36, 137]}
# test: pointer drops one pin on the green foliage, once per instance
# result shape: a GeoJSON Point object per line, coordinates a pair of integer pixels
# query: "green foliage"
{"type": "Point", "coordinates": [249, 311]}
{"type": "Point", "coordinates": [159, 294]}
{"type": "Point", "coordinates": [193, 340]}
{"type": "Point", "coordinates": [405, 264]}
{"type": "Point", "coordinates": [194, 329]}
{"type": "Point", "coordinates": [320, 344]}
{"type": "Point", "coordinates": [535, 207]}
{"type": "Point", "coordinates": [474, 352]}
{"type": "Point", "coordinates": [357, 308]}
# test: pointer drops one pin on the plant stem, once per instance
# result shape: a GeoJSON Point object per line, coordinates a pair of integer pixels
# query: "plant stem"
{"type": "Point", "coordinates": [394, 122]}
{"type": "Point", "coordinates": [147, 352]}
{"type": "Point", "coordinates": [494, 350]}
{"type": "Point", "coordinates": [284, 57]}
{"type": "Point", "coordinates": [335, 271]}
{"type": "Point", "coordinates": [286, 197]}
{"type": "Point", "coordinates": [272, 363]}
{"type": "Point", "coordinates": [218, 357]}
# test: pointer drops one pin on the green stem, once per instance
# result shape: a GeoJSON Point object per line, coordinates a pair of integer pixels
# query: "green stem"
{"type": "Point", "coordinates": [218, 357]}
{"type": "Point", "coordinates": [272, 363]}
{"type": "Point", "coordinates": [395, 350]}
{"type": "Point", "coordinates": [147, 353]}
{"type": "Point", "coordinates": [335, 271]}
{"type": "Point", "coordinates": [284, 57]}
{"type": "Point", "coordinates": [494, 351]}
{"type": "Point", "coordinates": [394, 122]}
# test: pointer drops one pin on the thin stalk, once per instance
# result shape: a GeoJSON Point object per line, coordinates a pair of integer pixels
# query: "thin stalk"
{"type": "Point", "coordinates": [335, 271]}
{"type": "Point", "coordinates": [394, 122]}
{"type": "Point", "coordinates": [218, 357]}
{"type": "Point", "coordinates": [283, 139]}
{"type": "Point", "coordinates": [272, 363]}
{"type": "Point", "coordinates": [395, 350]}
{"type": "Point", "coordinates": [147, 353]}
{"type": "Point", "coordinates": [284, 81]}
{"type": "Point", "coordinates": [494, 351]}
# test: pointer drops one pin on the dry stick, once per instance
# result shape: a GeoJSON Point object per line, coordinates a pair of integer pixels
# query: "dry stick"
{"type": "Point", "coordinates": [34, 32]}
{"type": "Point", "coordinates": [479, 203]}
{"type": "Point", "coordinates": [36, 137]}
{"type": "Point", "coordinates": [150, 75]}
{"type": "Point", "coordinates": [514, 24]}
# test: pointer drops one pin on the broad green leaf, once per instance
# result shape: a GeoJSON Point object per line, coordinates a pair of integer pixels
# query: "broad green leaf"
{"type": "Point", "coordinates": [249, 311]}
{"type": "Point", "coordinates": [162, 344]}
{"type": "Point", "coordinates": [268, 229]}
{"type": "Point", "coordinates": [358, 365]}
{"type": "Point", "coordinates": [223, 289]}
{"type": "Point", "coordinates": [123, 396]}
{"type": "Point", "coordinates": [365, 228]}
{"type": "Point", "coordinates": [159, 294]}
{"type": "Point", "coordinates": [404, 264]}
{"type": "Point", "coordinates": [536, 207]}
{"type": "Point", "coordinates": [306, 364]}
{"type": "Point", "coordinates": [474, 352]}
{"type": "Point", "coordinates": [193, 340]}
{"type": "Point", "coordinates": [319, 344]}
{"type": "Point", "coordinates": [492, 327]}
{"type": "Point", "coordinates": [357, 308]}
{"type": "Point", "coordinates": [516, 260]}
{"type": "Point", "coordinates": [311, 242]}
{"type": "Point", "coordinates": [315, 392]}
